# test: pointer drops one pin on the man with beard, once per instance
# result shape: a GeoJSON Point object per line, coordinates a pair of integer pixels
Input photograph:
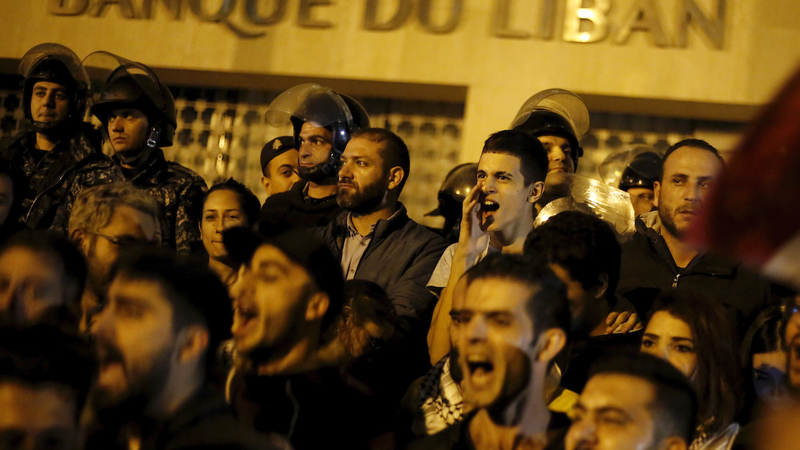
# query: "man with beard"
{"type": "Point", "coordinates": [323, 122]}
{"type": "Point", "coordinates": [512, 316]}
{"type": "Point", "coordinates": [60, 154]}
{"type": "Point", "coordinates": [634, 402]}
{"type": "Point", "coordinates": [374, 238]}
{"type": "Point", "coordinates": [289, 292]}
{"type": "Point", "coordinates": [156, 341]}
{"type": "Point", "coordinates": [558, 118]}
{"type": "Point", "coordinates": [657, 258]}
{"type": "Point", "coordinates": [105, 221]}
{"type": "Point", "coordinates": [41, 280]}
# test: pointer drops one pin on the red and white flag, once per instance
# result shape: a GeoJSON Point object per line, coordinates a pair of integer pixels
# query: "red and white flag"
{"type": "Point", "coordinates": [753, 212]}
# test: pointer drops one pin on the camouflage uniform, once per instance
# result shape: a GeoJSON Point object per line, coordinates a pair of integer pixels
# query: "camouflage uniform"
{"type": "Point", "coordinates": [73, 165]}
{"type": "Point", "coordinates": [179, 193]}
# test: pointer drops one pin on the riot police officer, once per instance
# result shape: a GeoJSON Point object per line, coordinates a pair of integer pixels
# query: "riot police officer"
{"type": "Point", "coordinates": [322, 121]}
{"type": "Point", "coordinates": [558, 118]}
{"type": "Point", "coordinates": [634, 170]}
{"type": "Point", "coordinates": [58, 153]}
{"type": "Point", "coordinates": [137, 112]}
{"type": "Point", "coordinates": [455, 187]}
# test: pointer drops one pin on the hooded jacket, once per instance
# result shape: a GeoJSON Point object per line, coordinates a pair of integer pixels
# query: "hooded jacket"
{"type": "Point", "coordinates": [648, 269]}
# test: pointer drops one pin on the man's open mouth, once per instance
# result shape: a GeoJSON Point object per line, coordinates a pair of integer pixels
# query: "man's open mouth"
{"type": "Point", "coordinates": [490, 206]}
{"type": "Point", "coordinates": [479, 365]}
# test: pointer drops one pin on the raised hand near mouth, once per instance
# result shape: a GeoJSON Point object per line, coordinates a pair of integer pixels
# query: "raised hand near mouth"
{"type": "Point", "coordinates": [472, 240]}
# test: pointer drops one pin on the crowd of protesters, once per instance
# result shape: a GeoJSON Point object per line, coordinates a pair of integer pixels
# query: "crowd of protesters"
{"type": "Point", "coordinates": [140, 309]}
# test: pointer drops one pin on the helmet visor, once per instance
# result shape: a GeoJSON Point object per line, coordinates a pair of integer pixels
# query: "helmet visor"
{"type": "Point", "coordinates": [107, 69]}
{"type": "Point", "coordinates": [614, 166]}
{"type": "Point", "coordinates": [590, 196]}
{"type": "Point", "coordinates": [49, 52]}
{"type": "Point", "coordinates": [558, 101]}
{"type": "Point", "coordinates": [312, 103]}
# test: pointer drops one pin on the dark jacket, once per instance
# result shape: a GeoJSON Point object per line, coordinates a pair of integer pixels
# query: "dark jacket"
{"type": "Point", "coordinates": [205, 421]}
{"type": "Point", "coordinates": [318, 409]}
{"type": "Point", "coordinates": [400, 258]}
{"type": "Point", "coordinates": [579, 355]}
{"type": "Point", "coordinates": [648, 269]}
{"type": "Point", "coordinates": [179, 193]}
{"type": "Point", "coordinates": [60, 175]}
{"type": "Point", "coordinates": [290, 210]}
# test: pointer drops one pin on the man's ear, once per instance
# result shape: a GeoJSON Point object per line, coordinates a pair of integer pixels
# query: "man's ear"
{"type": "Point", "coordinates": [535, 192]}
{"type": "Point", "coordinates": [192, 342]}
{"type": "Point", "coordinates": [317, 306]}
{"type": "Point", "coordinates": [79, 238]}
{"type": "Point", "coordinates": [76, 236]}
{"type": "Point", "coordinates": [673, 443]}
{"type": "Point", "coordinates": [396, 176]}
{"type": "Point", "coordinates": [265, 183]}
{"type": "Point", "coordinates": [656, 192]}
{"type": "Point", "coordinates": [602, 286]}
{"type": "Point", "coordinates": [550, 343]}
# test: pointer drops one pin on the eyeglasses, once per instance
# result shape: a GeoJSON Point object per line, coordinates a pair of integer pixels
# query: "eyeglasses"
{"type": "Point", "coordinates": [124, 241]}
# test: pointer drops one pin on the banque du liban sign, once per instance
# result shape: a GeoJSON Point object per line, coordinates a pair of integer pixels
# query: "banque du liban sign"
{"type": "Point", "coordinates": [582, 21]}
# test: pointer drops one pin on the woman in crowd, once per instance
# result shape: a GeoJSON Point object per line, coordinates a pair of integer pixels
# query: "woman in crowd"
{"type": "Point", "coordinates": [226, 205]}
{"type": "Point", "coordinates": [764, 360]}
{"type": "Point", "coordinates": [696, 335]}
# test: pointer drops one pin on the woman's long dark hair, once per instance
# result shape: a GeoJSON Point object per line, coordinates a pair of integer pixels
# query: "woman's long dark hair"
{"type": "Point", "coordinates": [717, 377]}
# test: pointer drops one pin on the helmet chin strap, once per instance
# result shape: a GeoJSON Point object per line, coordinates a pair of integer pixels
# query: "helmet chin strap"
{"type": "Point", "coordinates": [152, 140]}
{"type": "Point", "coordinates": [136, 158]}
{"type": "Point", "coordinates": [56, 129]}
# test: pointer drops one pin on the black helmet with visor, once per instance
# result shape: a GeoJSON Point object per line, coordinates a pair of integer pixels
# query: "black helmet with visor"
{"type": "Point", "coordinates": [321, 107]}
{"type": "Point", "coordinates": [119, 83]}
{"type": "Point", "coordinates": [555, 112]}
{"type": "Point", "coordinates": [57, 64]}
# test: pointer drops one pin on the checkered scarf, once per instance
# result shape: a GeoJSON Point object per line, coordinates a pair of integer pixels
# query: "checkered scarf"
{"type": "Point", "coordinates": [439, 400]}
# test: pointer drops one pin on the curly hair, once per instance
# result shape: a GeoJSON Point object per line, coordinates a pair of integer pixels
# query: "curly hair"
{"type": "Point", "coordinates": [94, 207]}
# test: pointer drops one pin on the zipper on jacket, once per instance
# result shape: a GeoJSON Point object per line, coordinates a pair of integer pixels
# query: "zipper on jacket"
{"type": "Point", "coordinates": [79, 165]}
{"type": "Point", "coordinates": [44, 191]}
{"type": "Point", "coordinates": [675, 280]}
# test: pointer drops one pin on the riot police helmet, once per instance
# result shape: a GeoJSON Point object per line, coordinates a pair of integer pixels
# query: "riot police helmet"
{"type": "Point", "coordinates": [456, 186]}
{"type": "Point", "coordinates": [555, 112]}
{"type": "Point", "coordinates": [321, 107]}
{"type": "Point", "coordinates": [57, 64]}
{"type": "Point", "coordinates": [637, 167]}
{"type": "Point", "coordinates": [119, 83]}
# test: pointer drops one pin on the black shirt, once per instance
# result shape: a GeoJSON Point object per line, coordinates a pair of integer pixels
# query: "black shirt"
{"type": "Point", "coordinates": [293, 209]}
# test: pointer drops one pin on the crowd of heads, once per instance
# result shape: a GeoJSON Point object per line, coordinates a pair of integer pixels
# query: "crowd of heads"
{"type": "Point", "coordinates": [134, 299]}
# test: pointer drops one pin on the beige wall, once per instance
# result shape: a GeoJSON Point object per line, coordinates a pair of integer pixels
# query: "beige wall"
{"type": "Point", "coordinates": [760, 50]}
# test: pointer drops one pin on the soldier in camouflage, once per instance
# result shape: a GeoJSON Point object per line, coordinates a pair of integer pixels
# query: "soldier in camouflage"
{"type": "Point", "coordinates": [59, 153]}
{"type": "Point", "coordinates": [138, 116]}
